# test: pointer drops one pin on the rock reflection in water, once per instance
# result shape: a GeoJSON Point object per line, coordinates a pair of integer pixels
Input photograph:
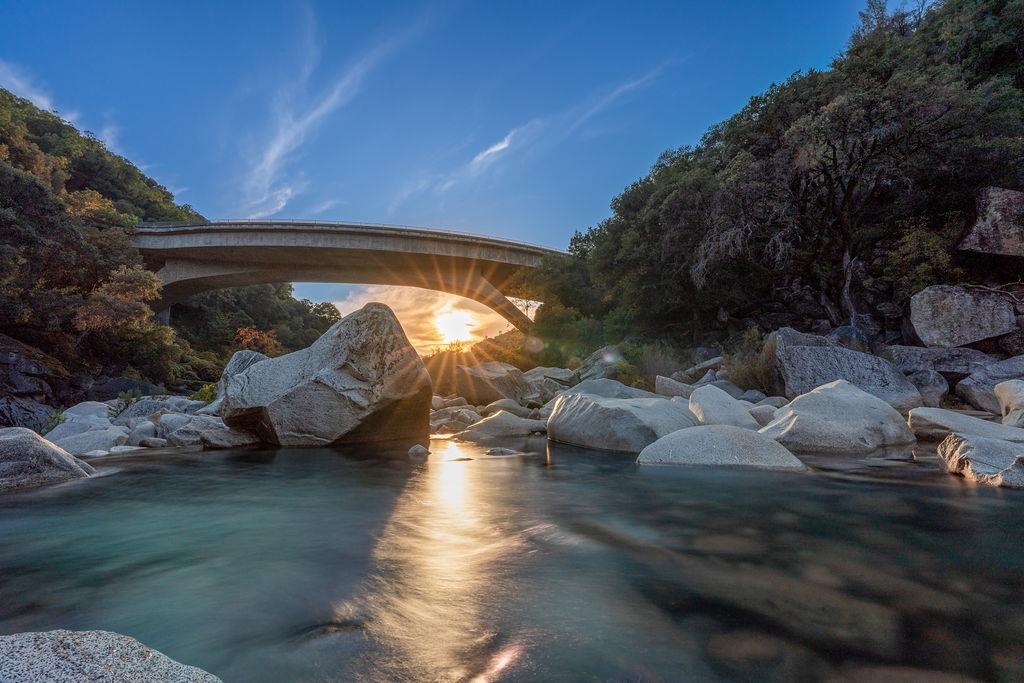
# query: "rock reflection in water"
{"type": "Point", "coordinates": [441, 562]}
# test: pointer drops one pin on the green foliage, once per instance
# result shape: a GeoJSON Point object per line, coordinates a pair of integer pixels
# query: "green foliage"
{"type": "Point", "coordinates": [72, 281]}
{"type": "Point", "coordinates": [47, 426]}
{"type": "Point", "coordinates": [205, 393]}
{"type": "Point", "coordinates": [751, 363]}
{"type": "Point", "coordinates": [808, 185]}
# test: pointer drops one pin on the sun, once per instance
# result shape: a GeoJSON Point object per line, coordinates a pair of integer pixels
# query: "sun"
{"type": "Point", "coordinates": [455, 325]}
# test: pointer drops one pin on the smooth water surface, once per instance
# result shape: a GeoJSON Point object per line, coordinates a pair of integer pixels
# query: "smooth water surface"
{"type": "Point", "coordinates": [561, 564]}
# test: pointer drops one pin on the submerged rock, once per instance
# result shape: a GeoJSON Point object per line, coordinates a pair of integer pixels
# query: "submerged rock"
{"type": "Point", "coordinates": [75, 656]}
{"type": "Point", "coordinates": [360, 382]}
{"type": "Point", "coordinates": [27, 459]}
{"type": "Point", "coordinates": [720, 445]}
{"type": "Point", "coordinates": [615, 424]}
{"type": "Point", "coordinates": [712, 406]}
{"type": "Point", "coordinates": [987, 461]}
{"type": "Point", "coordinates": [950, 315]}
{"type": "Point", "coordinates": [419, 451]}
{"type": "Point", "coordinates": [838, 418]}
{"type": "Point", "coordinates": [935, 424]}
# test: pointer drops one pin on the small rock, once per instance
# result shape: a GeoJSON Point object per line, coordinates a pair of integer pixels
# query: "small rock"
{"type": "Point", "coordinates": [125, 449]}
{"type": "Point", "coordinates": [143, 430]}
{"type": "Point", "coordinates": [508, 405]}
{"type": "Point", "coordinates": [501, 451]}
{"type": "Point", "coordinates": [774, 401]}
{"type": "Point", "coordinates": [501, 425]}
{"type": "Point", "coordinates": [983, 460]}
{"type": "Point", "coordinates": [763, 414]}
{"type": "Point", "coordinates": [88, 409]}
{"type": "Point", "coordinates": [616, 424]}
{"type": "Point", "coordinates": [1010, 395]}
{"type": "Point", "coordinates": [419, 451]}
{"type": "Point", "coordinates": [437, 402]}
{"type": "Point", "coordinates": [753, 395]}
{"type": "Point", "coordinates": [222, 436]}
{"type": "Point", "coordinates": [456, 402]}
{"type": "Point", "coordinates": [931, 384]}
{"type": "Point", "coordinates": [153, 442]}
{"type": "Point", "coordinates": [979, 388]}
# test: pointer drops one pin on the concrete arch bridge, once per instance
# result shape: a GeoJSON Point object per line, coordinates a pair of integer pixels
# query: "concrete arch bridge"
{"type": "Point", "coordinates": [194, 258]}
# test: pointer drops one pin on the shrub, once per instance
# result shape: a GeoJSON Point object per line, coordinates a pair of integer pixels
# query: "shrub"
{"type": "Point", "coordinates": [751, 364]}
{"type": "Point", "coordinates": [49, 423]}
{"type": "Point", "coordinates": [205, 393]}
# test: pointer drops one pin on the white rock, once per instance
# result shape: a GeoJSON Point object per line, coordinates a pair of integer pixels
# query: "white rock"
{"type": "Point", "coordinates": [126, 449]}
{"type": "Point", "coordinates": [666, 386]}
{"type": "Point", "coordinates": [96, 453]}
{"type": "Point", "coordinates": [94, 440]}
{"type": "Point", "coordinates": [763, 414]}
{"type": "Point", "coordinates": [73, 656]}
{"type": "Point", "coordinates": [712, 406]}
{"type": "Point", "coordinates": [979, 388]}
{"type": "Point", "coordinates": [935, 424]}
{"type": "Point", "coordinates": [608, 388]}
{"type": "Point", "coordinates": [27, 459]}
{"type": "Point", "coordinates": [240, 361]}
{"type": "Point", "coordinates": [615, 424]}
{"type": "Point", "coordinates": [486, 382]}
{"type": "Point", "coordinates": [949, 315]}
{"type": "Point", "coordinates": [719, 445]}
{"type": "Point", "coordinates": [361, 381]}
{"type": "Point", "coordinates": [77, 425]}
{"type": "Point", "coordinates": [1010, 395]}
{"type": "Point", "coordinates": [170, 422]}
{"type": "Point", "coordinates": [191, 433]}
{"type": "Point", "coordinates": [987, 461]}
{"type": "Point", "coordinates": [509, 406]}
{"type": "Point", "coordinates": [88, 409]}
{"type": "Point", "coordinates": [838, 418]}
{"type": "Point", "coordinates": [501, 425]}
{"type": "Point", "coordinates": [143, 430]}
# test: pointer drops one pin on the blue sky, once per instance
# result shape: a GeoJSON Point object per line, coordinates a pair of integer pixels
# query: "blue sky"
{"type": "Point", "coordinates": [517, 119]}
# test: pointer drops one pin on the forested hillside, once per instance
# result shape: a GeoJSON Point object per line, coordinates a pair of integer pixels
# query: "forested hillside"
{"type": "Point", "coordinates": [828, 200]}
{"type": "Point", "coordinates": [72, 284]}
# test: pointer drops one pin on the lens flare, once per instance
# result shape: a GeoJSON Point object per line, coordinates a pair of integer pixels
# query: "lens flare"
{"type": "Point", "coordinates": [455, 325]}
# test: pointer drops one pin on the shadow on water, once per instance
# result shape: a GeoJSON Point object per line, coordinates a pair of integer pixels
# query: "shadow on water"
{"type": "Point", "coordinates": [557, 563]}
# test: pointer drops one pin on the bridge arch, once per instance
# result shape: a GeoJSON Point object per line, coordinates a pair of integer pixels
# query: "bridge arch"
{"type": "Point", "coordinates": [193, 258]}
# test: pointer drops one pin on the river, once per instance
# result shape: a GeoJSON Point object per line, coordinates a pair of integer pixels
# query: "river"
{"type": "Point", "coordinates": [561, 564]}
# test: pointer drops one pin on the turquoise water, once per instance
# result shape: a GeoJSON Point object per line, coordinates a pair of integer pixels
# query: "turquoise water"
{"type": "Point", "coordinates": [562, 564]}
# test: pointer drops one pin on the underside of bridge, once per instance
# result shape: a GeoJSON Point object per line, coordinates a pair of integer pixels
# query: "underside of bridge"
{"type": "Point", "coordinates": [198, 258]}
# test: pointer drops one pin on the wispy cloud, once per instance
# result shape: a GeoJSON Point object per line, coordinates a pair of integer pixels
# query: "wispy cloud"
{"type": "Point", "coordinates": [539, 131]}
{"type": "Point", "coordinates": [21, 83]}
{"type": "Point", "coordinates": [109, 134]}
{"type": "Point", "coordinates": [267, 189]}
{"type": "Point", "coordinates": [327, 205]}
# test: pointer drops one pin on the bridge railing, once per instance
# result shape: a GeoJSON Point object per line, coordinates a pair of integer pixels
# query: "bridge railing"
{"type": "Point", "coordinates": [255, 222]}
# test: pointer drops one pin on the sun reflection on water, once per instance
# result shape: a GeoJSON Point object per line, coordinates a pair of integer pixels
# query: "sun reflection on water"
{"type": "Point", "coordinates": [442, 557]}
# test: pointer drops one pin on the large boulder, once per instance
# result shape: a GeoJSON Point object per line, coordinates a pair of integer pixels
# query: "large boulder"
{"type": "Point", "coordinates": [712, 406]}
{"type": "Point", "coordinates": [999, 228]}
{"type": "Point", "coordinates": [21, 411]}
{"type": "Point", "coordinates": [979, 388]}
{"type": "Point", "coordinates": [72, 656]}
{"type": "Point", "coordinates": [94, 440]}
{"type": "Point", "coordinates": [986, 461]}
{"type": "Point", "coordinates": [485, 383]}
{"type": "Point", "coordinates": [222, 436]}
{"type": "Point", "coordinates": [953, 363]}
{"type": "Point", "coordinates": [609, 388]}
{"type": "Point", "coordinates": [27, 459]}
{"type": "Point", "coordinates": [501, 425]}
{"type": "Point", "coordinates": [615, 424]}
{"type": "Point", "coordinates": [949, 315]}
{"type": "Point", "coordinates": [360, 382]}
{"type": "Point", "coordinates": [935, 424]}
{"type": "Point", "coordinates": [721, 445]}
{"type": "Point", "coordinates": [239, 362]}
{"type": "Point", "coordinates": [1011, 402]}
{"type": "Point", "coordinates": [605, 363]}
{"type": "Point", "coordinates": [802, 368]}
{"type": "Point", "coordinates": [86, 410]}
{"type": "Point", "coordinates": [838, 418]}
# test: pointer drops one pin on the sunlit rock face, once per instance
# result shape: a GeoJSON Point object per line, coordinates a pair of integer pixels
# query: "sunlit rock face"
{"type": "Point", "coordinates": [360, 382]}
